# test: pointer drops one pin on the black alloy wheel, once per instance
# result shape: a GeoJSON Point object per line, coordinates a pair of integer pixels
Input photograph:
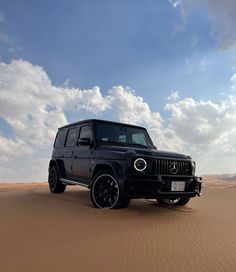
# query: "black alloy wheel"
{"type": "Point", "coordinates": [180, 201]}
{"type": "Point", "coordinates": [54, 182]}
{"type": "Point", "coordinates": [105, 192]}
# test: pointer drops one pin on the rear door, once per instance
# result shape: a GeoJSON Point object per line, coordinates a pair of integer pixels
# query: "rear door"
{"type": "Point", "coordinates": [82, 155]}
{"type": "Point", "coordinates": [69, 151]}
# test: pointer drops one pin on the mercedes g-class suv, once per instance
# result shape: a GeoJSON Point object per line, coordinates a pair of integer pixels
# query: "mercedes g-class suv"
{"type": "Point", "coordinates": [118, 162]}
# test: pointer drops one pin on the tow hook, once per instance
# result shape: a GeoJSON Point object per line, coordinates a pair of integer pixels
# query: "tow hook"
{"type": "Point", "coordinates": [198, 192]}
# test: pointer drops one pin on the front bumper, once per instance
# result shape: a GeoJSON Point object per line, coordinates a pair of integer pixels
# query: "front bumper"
{"type": "Point", "coordinates": [143, 186]}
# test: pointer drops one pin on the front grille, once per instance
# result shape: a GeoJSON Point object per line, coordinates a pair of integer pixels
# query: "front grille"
{"type": "Point", "coordinates": [182, 167]}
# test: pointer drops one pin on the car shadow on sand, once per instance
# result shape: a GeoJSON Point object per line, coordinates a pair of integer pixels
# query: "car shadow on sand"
{"type": "Point", "coordinates": [80, 197]}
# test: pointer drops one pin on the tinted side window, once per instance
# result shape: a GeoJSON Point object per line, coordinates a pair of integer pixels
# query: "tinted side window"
{"type": "Point", "coordinates": [86, 132]}
{"type": "Point", "coordinates": [60, 139]}
{"type": "Point", "coordinates": [71, 137]}
{"type": "Point", "coordinates": [139, 138]}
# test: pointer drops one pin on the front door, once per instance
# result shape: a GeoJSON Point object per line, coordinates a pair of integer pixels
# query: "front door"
{"type": "Point", "coordinates": [82, 156]}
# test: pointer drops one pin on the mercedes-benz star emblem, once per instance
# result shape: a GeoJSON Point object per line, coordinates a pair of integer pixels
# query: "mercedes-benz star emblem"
{"type": "Point", "coordinates": [173, 168]}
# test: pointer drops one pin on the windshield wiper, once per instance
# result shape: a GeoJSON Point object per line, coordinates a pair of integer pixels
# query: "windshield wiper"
{"type": "Point", "coordinates": [141, 145]}
{"type": "Point", "coordinates": [124, 144]}
{"type": "Point", "coordinates": [113, 142]}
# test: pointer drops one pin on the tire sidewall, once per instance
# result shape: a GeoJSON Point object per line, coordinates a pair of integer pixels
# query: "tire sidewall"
{"type": "Point", "coordinates": [53, 188]}
{"type": "Point", "coordinates": [181, 202]}
{"type": "Point", "coordinates": [95, 179]}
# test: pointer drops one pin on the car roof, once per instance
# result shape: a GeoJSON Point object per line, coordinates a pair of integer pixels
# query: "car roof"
{"type": "Point", "coordinates": [97, 120]}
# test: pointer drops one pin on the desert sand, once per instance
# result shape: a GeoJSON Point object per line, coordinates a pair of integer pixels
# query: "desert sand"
{"type": "Point", "coordinates": [40, 231]}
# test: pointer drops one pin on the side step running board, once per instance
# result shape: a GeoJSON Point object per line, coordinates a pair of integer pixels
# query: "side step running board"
{"type": "Point", "coordinates": [72, 182]}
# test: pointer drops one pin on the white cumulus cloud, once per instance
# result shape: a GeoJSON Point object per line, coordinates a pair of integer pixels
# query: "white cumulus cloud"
{"type": "Point", "coordinates": [173, 95]}
{"type": "Point", "coordinates": [34, 108]}
{"type": "Point", "coordinates": [132, 109]}
{"type": "Point", "coordinates": [233, 80]}
{"type": "Point", "coordinates": [203, 122]}
{"type": "Point", "coordinates": [29, 100]}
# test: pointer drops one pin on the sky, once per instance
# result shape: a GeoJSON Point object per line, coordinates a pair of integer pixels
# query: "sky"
{"type": "Point", "coordinates": [167, 65]}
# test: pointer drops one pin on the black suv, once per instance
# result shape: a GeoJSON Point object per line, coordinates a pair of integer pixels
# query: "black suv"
{"type": "Point", "coordinates": [118, 162]}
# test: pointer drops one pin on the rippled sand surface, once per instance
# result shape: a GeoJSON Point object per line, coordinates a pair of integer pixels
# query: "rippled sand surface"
{"type": "Point", "coordinates": [40, 231]}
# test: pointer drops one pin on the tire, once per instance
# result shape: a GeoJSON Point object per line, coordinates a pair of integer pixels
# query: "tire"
{"type": "Point", "coordinates": [174, 202]}
{"type": "Point", "coordinates": [55, 185]}
{"type": "Point", "coordinates": [105, 192]}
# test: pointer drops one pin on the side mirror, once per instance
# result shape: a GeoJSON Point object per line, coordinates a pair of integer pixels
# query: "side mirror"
{"type": "Point", "coordinates": [84, 141]}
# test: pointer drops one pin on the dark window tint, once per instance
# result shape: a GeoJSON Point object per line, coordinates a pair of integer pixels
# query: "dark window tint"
{"type": "Point", "coordinates": [86, 132]}
{"type": "Point", "coordinates": [60, 140]}
{"type": "Point", "coordinates": [119, 134]}
{"type": "Point", "coordinates": [139, 138]}
{"type": "Point", "coordinates": [71, 137]}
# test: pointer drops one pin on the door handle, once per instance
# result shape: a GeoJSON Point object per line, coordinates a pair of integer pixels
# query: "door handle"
{"type": "Point", "coordinates": [75, 157]}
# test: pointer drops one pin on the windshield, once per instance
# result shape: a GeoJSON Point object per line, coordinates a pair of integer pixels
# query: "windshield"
{"type": "Point", "coordinates": [124, 135]}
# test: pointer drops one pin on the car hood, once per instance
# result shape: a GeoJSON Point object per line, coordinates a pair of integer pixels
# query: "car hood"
{"type": "Point", "coordinates": [144, 152]}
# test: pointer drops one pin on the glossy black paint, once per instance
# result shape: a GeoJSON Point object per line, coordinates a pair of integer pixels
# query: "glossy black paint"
{"type": "Point", "coordinates": [81, 161]}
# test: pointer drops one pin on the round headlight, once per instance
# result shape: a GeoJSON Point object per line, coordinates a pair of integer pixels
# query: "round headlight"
{"type": "Point", "coordinates": [140, 164]}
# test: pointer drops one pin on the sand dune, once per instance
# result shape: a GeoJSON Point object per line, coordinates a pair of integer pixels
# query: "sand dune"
{"type": "Point", "coordinates": [220, 181]}
{"type": "Point", "coordinates": [44, 232]}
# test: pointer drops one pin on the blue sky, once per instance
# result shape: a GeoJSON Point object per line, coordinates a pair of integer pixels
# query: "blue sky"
{"type": "Point", "coordinates": [132, 43]}
{"type": "Point", "coordinates": [153, 47]}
